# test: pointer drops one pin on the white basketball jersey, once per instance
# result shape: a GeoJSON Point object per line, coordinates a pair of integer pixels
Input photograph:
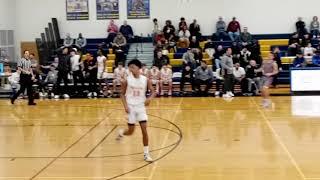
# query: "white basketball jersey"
{"type": "Point", "coordinates": [136, 90]}
{"type": "Point", "coordinates": [154, 75]}
{"type": "Point", "coordinates": [119, 74]}
{"type": "Point", "coordinates": [166, 74]}
{"type": "Point", "coordinates": [100, 62]}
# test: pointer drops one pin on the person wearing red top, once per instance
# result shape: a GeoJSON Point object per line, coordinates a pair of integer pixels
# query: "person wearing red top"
{"type": "Point", "coordinates": [234, 29]}
{"type": "Point", "coordinates": [112, 32]}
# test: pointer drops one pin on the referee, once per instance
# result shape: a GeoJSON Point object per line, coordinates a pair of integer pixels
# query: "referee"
{"type": "Point", "coordinates": [26, 78]}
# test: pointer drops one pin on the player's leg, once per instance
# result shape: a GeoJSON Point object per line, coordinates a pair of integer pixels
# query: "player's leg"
{"type": "Point", "coordinates": [170, 87]}
{"type": "Point", "coordinates": [161, 87]}
{"type": "Point", "coordinates": [145, 138]}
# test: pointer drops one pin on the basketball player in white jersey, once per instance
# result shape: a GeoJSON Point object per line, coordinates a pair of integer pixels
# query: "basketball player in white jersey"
{"type": "Point", "coordinates": [166, 78]}
{"type": "Point", "coordinates": [118, 75]}
{"type": "Point", "coordinates": [134, 99]}
{"type": "Point", "coordinates": [144, 70]}
{"type": "Point", "coordinates": [269, 69]}
{"type": "Point", "coordinates": [101, 63]}
{"type": "Point", "coordinates": [154, 76]}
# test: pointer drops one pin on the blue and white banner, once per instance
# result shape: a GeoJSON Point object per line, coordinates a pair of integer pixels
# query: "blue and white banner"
{"type": "Point", "coordinates": [77, 9]}
{"type": "Point", "coordinates": [107, 9]}
{"type": "Point", "coordinates": [138, 9]}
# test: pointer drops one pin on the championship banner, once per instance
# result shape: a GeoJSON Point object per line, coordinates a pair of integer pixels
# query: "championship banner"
{"type": "Point", "coordinates": [107, 9]}
{"type": "Point", "coordinates": [77, 9]}
{"type": "Point", "coordinates": [138, 9]}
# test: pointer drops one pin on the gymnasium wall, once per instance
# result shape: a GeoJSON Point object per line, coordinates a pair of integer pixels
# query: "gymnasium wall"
{"type": "Point", "coordinates": [261, 16]}
{"type": "Point", "coordinates": [7, 14]}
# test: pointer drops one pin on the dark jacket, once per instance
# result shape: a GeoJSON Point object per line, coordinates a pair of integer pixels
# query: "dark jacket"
{"type": "Point", "coordinates": [126, 31]}
{"type": "Point", "coordinates": [64, 64]}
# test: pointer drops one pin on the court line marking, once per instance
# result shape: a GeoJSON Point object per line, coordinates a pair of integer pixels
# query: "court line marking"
{"type": "Point", "coordinates": [131, 177]}
{"type": "Point", "coordinates": [68, 148]}
{"type": "Point", "coordinates": [165, 140]}
{"type": "Point", "coordinates": [100, 142]}
{"type": "Point", "coordinates": [280, 142]}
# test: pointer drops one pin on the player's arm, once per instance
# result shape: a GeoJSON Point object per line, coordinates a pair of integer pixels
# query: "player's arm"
{"type": "Point", "coordinates": [275, 69]}
{"type": "Point", "coordinates": [123, 95]}
{"type": "Point", "coordinates": [153, 93]}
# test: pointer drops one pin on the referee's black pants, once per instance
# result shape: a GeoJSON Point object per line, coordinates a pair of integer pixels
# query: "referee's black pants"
{"type": "Point", "coordinates": [25, 83]}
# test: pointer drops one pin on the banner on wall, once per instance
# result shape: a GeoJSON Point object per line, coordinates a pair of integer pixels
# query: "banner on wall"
{"type": "Point", "coordinates": [138, 9]}
{"type": "Point", "coordinates": [107, 9]}
{"type": "Point", "coordinates": [77, 9]}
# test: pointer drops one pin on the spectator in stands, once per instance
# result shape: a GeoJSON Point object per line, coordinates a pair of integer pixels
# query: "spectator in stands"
{"type": "Point", "coordinates": [194, 43]}
{"type": "Point", "coordinates": [195, 29]}
{"type": "Point", "coordinates": [64, 68]}
{"type": "Point", "coordinates": [299, 60]}
{"type": "Point", "coordinates": [246, 37]}
{"type": "Point", "coordinates": [198, 56]}
{"type": "Point", "coordinates": [314, 27]}
{"type": "Point", "coordinates": [221, 29]}
{"type": "Point", "coordinates": [168, 29]}
{"type": "Point", "coordinates": [301, 27]}
{"type": "Point", "coordinates": [119, 47]}
{"type": "Point", "coordinates": [316, 58]}
{"type": "Point", "coordinates": [253, 75]}
{"type": "Point", "coordinates": [171, 43]}
{"type": "Point", "coordinates": [255, 51]}
{"type": "Point", "coordinates": [227, 72]}
{"type": "Point", "coordinates": [203, 76]}
{"type": "Point", "coordinates": [76, 69]}
{"type": "Point", "coordinates": [219, 81]}
{"type": "Point", "coordinates": [188, 59]}
{"type": "Point", "coordinates": [184, 35]}
{"type": "Point", "coordinates": [118, 75]}
{"type": "Point", "coordinates": [91, 71]}
{"type": "Point", "coordinates": [277, 58]}
{"type": "Point", "coordinates": [239, 76]}
{"type": "Point", "coordinates": [166, 79]}
{"type": "Point", "coordinates": [144, 70]}
{"type": "Point", "coordinates": [234, 29]}
{"type": "Point", "coordinates": [14, 79]}
{"type": "Point", "coordinates": [112, 31]}
{"type": "Point", "coordinates": [217, 56]}
{"type": "Point", "coordinates": [294, 44]}
{"type": "Point", "coordinates": [81, 43]}
{"type": "Point", "coordinates": [160, 38]}
{"type": "Point", "coordinates": [183, 24]}
{"type": "Point", "coordinates": [156, 30]}
{"type": "Point", "coordinates": [126, 31]}
{"type": "Point", "coordinates": [154, 76]}
{"type": "Point", "coordinates": [209, 48]}
{"type": "Point", "coordinates": [309, 63]}
{"type": "Point", "coordinates": [309, 50]}
{"type": "Point", "coordinates": [306, 39]}
{"type": "Point", "coordinates": [245, 56]}
{"type": "Point", "coordinates": [236, 52]}
{"type": "Point", "coordinates": [160, 60]}
{"type": "Point", "coordinates": [34, 62]}
{"type": "Point", "coordinates": [68, 41]}
{"type": "Point", "coordinates": [187, 76]}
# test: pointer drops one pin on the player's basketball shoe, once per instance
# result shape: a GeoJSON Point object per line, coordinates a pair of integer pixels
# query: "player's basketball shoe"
{"type": "Point", "coordinates": [147, 158]}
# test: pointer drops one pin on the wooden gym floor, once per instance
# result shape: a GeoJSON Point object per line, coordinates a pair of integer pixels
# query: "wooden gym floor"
{"type": "Point", "coordinates": [191, 139]}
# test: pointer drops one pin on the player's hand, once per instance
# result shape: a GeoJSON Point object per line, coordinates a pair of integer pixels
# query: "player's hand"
{"type": "Point", "coordinates": [127, 110]}
{"type": "Point", "coordinates": [147, 102]}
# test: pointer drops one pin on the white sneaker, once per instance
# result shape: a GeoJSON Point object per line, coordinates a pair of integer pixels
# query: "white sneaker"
{"type": "Point", "coordinates": [52, 95]}
{"type": "Point", "coordinates": [56, 96]}
{"type": "Point", "coordinates": [89, 94]}
{"type": "Point", "coordinates": [95, 94]}
{"type": "Point", "coordinates": [147, 158]}
{"type": "Point", "coordinates": [230, 94]}
{"type": "Point", "coordinates": [66, 96]}
{"type": "Point", "coordinates": [41, 94]}
{"type": "Point", "coordinates": [226, 96]}
{"type": "Point", "coordinates": [170, 93]}
{"type": "Point", "coordinates": [217, 94]}
{"type": "Point", "coordinates": [120, 135]}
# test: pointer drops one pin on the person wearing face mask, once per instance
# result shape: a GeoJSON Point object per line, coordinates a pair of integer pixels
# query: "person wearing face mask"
{"type": "Point", "coordinates": [203, 76]}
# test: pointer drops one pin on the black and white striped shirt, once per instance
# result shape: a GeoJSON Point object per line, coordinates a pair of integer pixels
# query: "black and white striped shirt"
{"type": "Point", "coordinates": [25, 65]}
